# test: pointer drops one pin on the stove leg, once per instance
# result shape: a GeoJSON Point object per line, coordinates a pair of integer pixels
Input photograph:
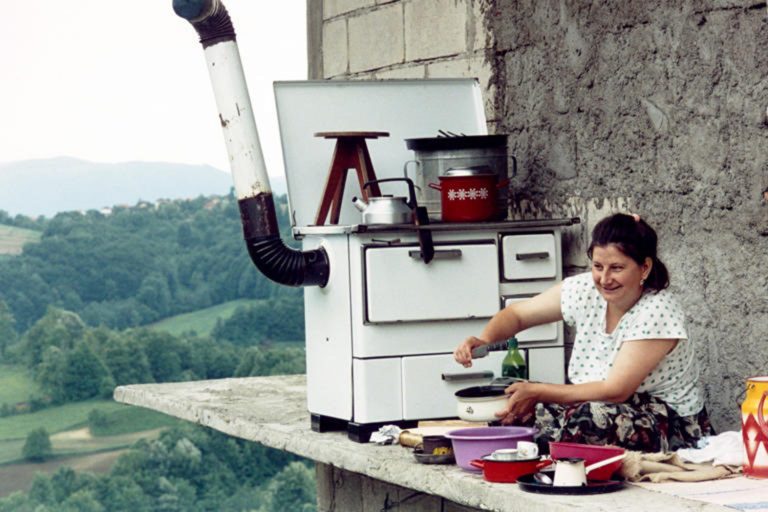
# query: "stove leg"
{"type": "Point", "coordinates": [322, 423]}
{"type": "Point", "coordinates": [361, 432]}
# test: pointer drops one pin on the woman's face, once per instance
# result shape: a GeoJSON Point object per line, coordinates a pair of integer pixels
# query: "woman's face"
{"type": "Point", "coordinates": [617, 277]}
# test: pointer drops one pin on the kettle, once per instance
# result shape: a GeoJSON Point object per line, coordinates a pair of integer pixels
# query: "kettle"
{"type": "Point", "coordinates": [387, 209]}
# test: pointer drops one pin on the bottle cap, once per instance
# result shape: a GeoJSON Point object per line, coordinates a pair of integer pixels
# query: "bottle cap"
{"type": "Point", "coordinates": [512, 342]}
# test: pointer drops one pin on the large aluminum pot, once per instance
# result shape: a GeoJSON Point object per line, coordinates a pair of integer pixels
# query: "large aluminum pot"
{"type": "Point", "coordinates": [434, 156]}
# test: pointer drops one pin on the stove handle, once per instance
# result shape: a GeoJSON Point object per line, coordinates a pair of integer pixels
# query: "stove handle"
{"type": "Point", "coordinates": [453, 377]}
{"type": "Point", "coordinates": [445, 254]}
{"type": "Point", "coordinates": [522, 256]}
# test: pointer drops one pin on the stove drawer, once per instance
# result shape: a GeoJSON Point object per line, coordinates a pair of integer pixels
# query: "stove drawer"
{"type": "Point", "coordinates": [529, 256]}
{"type": "Point", "coordinates": [427, 395]}
{"type": "Point", "coordinates": [461, 282]}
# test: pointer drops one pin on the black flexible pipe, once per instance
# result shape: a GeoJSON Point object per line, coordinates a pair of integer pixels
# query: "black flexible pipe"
{"type": "Point", "coordinates": [269, 253]}
{"type": "Point", "coordinates": [267, 250]}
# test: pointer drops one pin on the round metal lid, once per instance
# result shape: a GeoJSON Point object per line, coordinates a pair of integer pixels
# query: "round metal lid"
{"type": "Point", "coordinates": [451, 143]}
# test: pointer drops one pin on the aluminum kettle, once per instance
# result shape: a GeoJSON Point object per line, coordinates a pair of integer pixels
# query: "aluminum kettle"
{"type": "Point", "coordinates": [387, 209]}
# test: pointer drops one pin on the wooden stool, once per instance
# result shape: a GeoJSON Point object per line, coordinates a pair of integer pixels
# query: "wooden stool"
{"type": "Point", "coordinates": [350, 152]}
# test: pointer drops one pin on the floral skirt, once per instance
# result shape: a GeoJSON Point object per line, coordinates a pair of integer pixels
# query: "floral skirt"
{"type": "Point", "coordinates": [643, 423]}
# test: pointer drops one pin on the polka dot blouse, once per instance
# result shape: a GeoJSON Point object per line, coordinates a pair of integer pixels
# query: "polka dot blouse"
{"type": "Point", "coordinates": [655, 316]}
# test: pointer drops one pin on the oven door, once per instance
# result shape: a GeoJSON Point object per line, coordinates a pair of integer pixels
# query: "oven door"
{"type": "Point", "coordinates": [429, 383]}
{"type": "Point", "coordinates": [461, 282]}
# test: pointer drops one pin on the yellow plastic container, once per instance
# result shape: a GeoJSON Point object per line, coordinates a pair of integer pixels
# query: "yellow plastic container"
{"type": "Point", "coordinates": [754, 427]}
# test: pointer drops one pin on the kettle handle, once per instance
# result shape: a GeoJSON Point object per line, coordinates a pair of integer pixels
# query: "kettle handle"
{"type": "Point", "coordinates": [411, 189]}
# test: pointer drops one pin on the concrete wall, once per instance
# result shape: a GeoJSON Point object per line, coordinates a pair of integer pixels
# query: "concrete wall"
{"type": "Point", "coordinates": [653, 107]}
{"type": "Point", "coordinates": [344, 491]}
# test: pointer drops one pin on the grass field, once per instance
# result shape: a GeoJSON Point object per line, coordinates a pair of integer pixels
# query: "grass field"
{"type": "Point", "coordinates": [12, 239]}
{"type": "Point", "coordinates": [134, 419]}
{"type": "Point", "coordinates": [54, 419]}
{"type": "Point", "coordinates": [16, 384]}
{"type": "Point", "coordinates": [202, 321]}
{"type": "Point", "coordinates": [67, 425]}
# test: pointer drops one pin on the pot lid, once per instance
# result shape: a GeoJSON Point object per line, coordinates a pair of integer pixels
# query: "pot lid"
{"type": "Point", "coordinates": [481, 392]}
{"type": "Point", "coordinates": [480, 170]}
{"type": "Point", "coordinates": [463, 142]}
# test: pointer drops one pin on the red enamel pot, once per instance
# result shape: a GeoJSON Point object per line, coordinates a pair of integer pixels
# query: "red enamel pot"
{"type": "Point", "coordinates": [508, 471]}
{"type": "Point", "coordinates": [469, 194]}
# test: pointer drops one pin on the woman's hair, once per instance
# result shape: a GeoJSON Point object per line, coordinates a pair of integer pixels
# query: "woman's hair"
{"type": "Point", "coordinates": [635, 238]}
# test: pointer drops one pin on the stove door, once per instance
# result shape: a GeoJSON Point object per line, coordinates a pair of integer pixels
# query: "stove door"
{"type": "Point", "coordinates": [461, 282]}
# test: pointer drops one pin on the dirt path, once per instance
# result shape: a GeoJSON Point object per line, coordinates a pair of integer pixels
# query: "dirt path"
{"type": "Point", "coordinates": [80, 434]}
{"type": "Point", "coordinates": [19, 476]}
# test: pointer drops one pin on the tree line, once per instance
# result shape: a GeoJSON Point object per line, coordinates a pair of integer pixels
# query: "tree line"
{"type": "Point", "coordinates": [135, 265]}
{"type": "Point", "coordinates": [187, 469]}
{"type": "Point", "coordinates": [72, 361]}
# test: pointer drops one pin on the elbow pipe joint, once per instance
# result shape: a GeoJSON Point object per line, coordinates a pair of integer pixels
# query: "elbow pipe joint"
{"type": "Point", "coordinates": [209, 18]}
{"type": "Point", "coordinates": [269, 253]}
{"type": "Point", "coordinates": [288, 266]}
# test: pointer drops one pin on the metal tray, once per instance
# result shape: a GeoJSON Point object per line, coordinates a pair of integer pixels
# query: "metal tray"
{"type": "Point", "coordinates": [529, 483]}
{"type": "Point", "coordinates": [428, 458]}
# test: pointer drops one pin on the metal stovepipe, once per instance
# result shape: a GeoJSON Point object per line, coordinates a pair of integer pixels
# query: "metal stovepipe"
{"type": "Point", "coordinates": [257, 210]}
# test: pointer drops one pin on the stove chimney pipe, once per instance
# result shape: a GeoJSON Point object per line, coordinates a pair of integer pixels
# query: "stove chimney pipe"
{"type": "Point", "coordinates": [254, 194]}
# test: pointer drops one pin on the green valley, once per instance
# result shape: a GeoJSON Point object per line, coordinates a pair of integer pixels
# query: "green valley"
{"type": "Point", "coordinates": [146, 294]}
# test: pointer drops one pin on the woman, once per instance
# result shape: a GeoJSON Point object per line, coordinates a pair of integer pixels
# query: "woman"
{"type": "Point", "coordinates": [633, 372]}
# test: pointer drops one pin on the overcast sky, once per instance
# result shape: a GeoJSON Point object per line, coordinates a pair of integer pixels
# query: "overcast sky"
{"type": "Point", "coordinates": [96, 80]}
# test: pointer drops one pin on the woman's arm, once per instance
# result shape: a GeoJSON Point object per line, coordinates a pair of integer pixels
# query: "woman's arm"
{"type": "Point", "coordinates": [540, 309]}
{"type": "Point", "coordinates": [634, 361]}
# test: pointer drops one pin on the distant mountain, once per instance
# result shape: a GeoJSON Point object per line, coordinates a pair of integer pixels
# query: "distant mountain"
{"type": "Point", "coordinates": [48, 186]}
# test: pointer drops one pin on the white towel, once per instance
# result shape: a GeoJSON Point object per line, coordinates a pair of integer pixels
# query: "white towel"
{"type": "Point", "coordinates": [724, 449]}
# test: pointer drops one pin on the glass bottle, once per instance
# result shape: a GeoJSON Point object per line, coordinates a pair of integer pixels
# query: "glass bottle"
{"type": "Point", "coordinates": [513, 364]}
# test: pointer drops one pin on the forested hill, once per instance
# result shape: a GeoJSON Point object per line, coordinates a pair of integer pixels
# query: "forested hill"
{"type": "Point", "coordinates": [137, 264]}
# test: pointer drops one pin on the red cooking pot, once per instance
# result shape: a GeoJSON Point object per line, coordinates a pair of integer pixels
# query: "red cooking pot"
{"type": "Point", "coordinates": [508, 471]}
{"type": "Point", "coordinates": [468, 194]}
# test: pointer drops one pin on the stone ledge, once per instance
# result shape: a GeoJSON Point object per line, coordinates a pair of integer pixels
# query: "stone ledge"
{"type": "Point", "coordinates": [272, 411]}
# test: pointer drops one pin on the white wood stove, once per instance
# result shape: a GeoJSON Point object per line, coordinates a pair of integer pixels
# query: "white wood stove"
{"type": "Point", "coordinates": [381, 333]}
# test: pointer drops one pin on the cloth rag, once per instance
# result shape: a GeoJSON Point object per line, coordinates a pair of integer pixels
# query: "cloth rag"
{"type": "Point", "coordinates": [388, 434]}
{"type": "Point", "coordinates": [668, 467]}
{"type": "Point", "coordinates": [724, 449]}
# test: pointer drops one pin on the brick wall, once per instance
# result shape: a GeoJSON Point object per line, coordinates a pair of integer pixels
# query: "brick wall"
{"type": "Point", "coordinates": [367, 39]}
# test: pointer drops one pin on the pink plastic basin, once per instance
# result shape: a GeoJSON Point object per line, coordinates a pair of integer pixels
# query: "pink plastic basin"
{"type": "Point", "coordinates": [474, 443]}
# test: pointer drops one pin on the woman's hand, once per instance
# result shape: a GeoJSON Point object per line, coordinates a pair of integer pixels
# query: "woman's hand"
{"type": "Point", "coordinates": [463, 353]}
{"type": "Point", "coordinates": [521, 404]}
